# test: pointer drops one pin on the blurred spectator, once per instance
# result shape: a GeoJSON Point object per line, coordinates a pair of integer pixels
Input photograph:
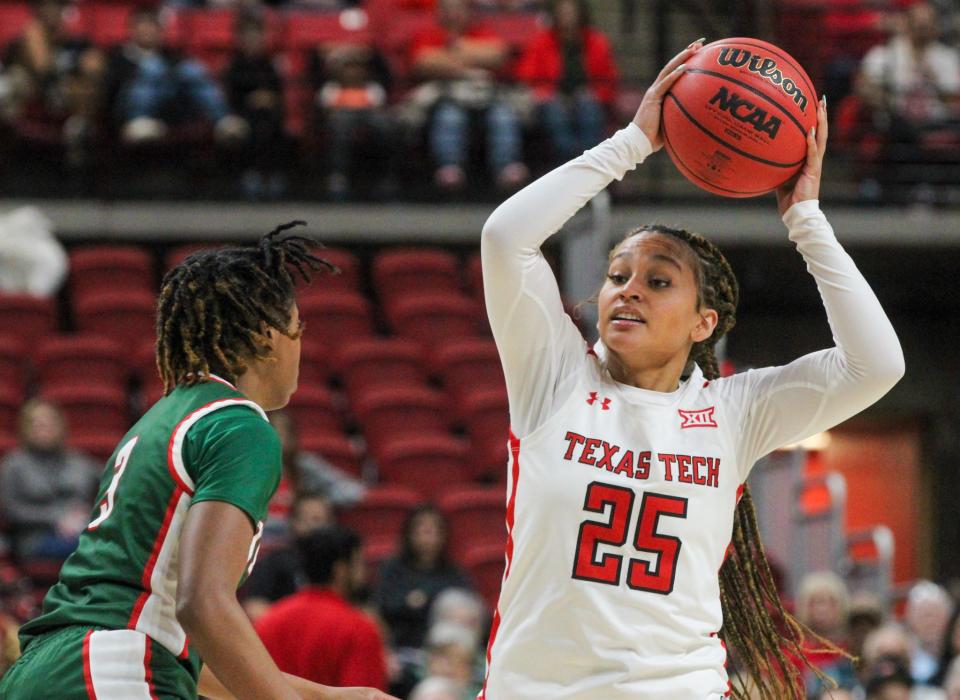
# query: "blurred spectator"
{"type": "Point", "coordinates": [951, 683]}
{"type": "Point", "coordinates": [151, 87]}
{"type": "Point", "coordinates": [457, 61]}
{"type": "Point", "coordinates": [46, 490]}
{"type": "Point", "coordinates": [835, 694]}
{"type": "Point", "coordinates": [951, 646]}
{"type": "Point", "coordinates": [32, 261]}
{"type": "Point", "coordinates": [462, 607]}
{"type": "Point", "coordinates": [410, 581]}
{"type": "Point", "coordinates": [280, 573]}
{"type": "Point", "coordinates": [255, 93]}
{"type": "Point", "coordinates": [927, 614]}
{"type": "Point", "coordinates": [571, 69]}
{"type": "Point", "coordinates": [891, 643]}
{"type": "Point", "coordinates": [9, 644]}
{"type": "Point", "coordinates": [889, 681]}
{"type": "Point", "coordinates": [822, 605]}
{"type": "Point", "coordinates": [865, 614]}
{"type": "Point", "coordinates": [54, 76]}
{"type": "Point", "coordinates": [351, 84]}
{"type": "Point", "coordinates": [452, 652]}
{"type": "Point", "coordinates": [437, 688]}
{"type": "Point", "coordinates": [304, 472]}
{"type": "Point", "coordinates": [317, 633]}
{"type": "Point", "coordinates": [911, 85]}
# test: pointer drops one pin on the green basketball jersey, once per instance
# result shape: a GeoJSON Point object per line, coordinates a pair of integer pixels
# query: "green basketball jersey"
{"type": "Point", "coordinates": [205, 442]}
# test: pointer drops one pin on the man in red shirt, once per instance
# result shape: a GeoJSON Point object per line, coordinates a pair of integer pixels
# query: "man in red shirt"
{"type": "Point", "coordinates": [461, 60]}
{"type": "Point", "coordinates": [316, 632]}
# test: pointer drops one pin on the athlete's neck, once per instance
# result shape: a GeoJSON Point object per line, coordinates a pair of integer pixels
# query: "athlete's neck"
{"type": "Point", "coordinates": [665, 378]}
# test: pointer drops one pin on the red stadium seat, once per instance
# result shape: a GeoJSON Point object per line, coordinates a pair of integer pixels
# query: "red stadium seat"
{"type": "Point", "coordinates": [348, 278]}
{"type": "Point", "coordinates": [423, 461]}
{"type": "Point", "coordinates": [463, 364]}
{"type": "Point", "coordinates": [379, 517]}
{"type": "Point", "coordinates": [307, 31]}
{"type": "Point", "coordinates": [26, 317]}
{"type": "Point", "coordinates": [431, 317]}
{"type": "Point", "coordinates": [475, 275]}
{"type": "Point", "coordinates": [67, 359]}
{"type": "Point", "coordinates": [315, 367]}
{"type": "Point", "coordinates": [105, 268]}
{"type": "Point", "coordinates": [486, 415]}
{"type": "Point", "coordinates": [177, 255]}
{"type": "Point", "coordinates": [375, 362]}
{"type": "Point", "coordinates": [10, 401]}
{"type": "Point", "coordinates": [126, 316]}
{"type": "Point", "coordinates": [401, 271]}
{"type": "Point", "coordinates": [208, 35]}
{"type": "Point", "coordinates": [13, 18]}
{"type": "Point", "coordinates": [515, 28]}
{"type": "Point", "coordinates": [145, 368]}
{"type": "Point", "coordinates": [337, 317]}
{"type": "Point", "coordinates": [485, 564]}
{"type": "Point", "coordinates": [99, 445]}
{"type": "Point", "coordinates": [14, 367]}
{"type": "Point", "coordinates": [313, 410]}
{"type": "Point", "coordinates": [106, 23]}
{"type": "Point", "coordinates": [333, 447]}
{"type": "Point", "coordinates": [91, 408]}
{"type": "Point", "coordinates": [476, 516]}
{"type": "Point", "coordinates": [391, 411]}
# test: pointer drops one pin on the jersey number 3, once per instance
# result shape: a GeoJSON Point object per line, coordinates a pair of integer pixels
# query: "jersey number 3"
{"type": "Point", "coordinates": [641, 575]}
{"type": "Point", "coordinates": [119, 465]}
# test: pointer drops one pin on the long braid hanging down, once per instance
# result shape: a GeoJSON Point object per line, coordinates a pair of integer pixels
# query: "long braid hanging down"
{"type": "Point", "coordinates": [766, 639]}
{"type": "Point", "coordinates": [215, 306]}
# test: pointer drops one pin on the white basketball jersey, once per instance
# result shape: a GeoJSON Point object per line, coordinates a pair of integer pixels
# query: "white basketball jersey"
{"type": "Point", "coordinates": [620, 513]}
{"type": "Point", "coordinates": [621, 500]}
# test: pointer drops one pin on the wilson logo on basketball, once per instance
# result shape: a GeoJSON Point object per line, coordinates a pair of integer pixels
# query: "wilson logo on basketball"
{"type": "Point", "coordinates": [698, 419]}
{"type": "Point", "coordinates": [744, 110]}
{"type": "Point", "coordinates": [764, 67]}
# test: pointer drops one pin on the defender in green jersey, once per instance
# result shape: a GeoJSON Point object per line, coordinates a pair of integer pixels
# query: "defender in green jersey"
{"type": "Point", "coordinates": [149, 596]}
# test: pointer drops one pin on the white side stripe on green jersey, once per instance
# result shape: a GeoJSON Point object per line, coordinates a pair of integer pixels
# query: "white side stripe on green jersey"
{"type": "Point", "coordinates": [118, 665]}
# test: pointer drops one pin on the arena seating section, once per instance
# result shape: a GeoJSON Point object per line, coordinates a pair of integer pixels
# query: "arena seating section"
{"type": "Point", "coordinates": [400, 382]}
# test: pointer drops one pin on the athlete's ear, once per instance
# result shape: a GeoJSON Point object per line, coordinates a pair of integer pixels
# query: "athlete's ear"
{"type": "Point", "coordinates": [706, 322]}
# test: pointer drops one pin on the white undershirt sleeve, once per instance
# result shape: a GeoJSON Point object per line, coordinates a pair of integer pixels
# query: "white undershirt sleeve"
{"type": "Point", "coordinates": [819, 390]}
{"type": "Point", "coordinates": [538, 343]}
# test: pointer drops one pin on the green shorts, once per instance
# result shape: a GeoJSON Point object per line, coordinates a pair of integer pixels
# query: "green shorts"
{"type": "Point", "coordinates": [83, 663]}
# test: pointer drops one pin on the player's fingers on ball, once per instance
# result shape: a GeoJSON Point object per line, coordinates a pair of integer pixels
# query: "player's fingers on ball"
{"type": "Point", "coordinates": [664, 84]}
{"type": "Point", "coordinates": [823, 126]}
{"type": "Point", "coordinates": [675, 62]}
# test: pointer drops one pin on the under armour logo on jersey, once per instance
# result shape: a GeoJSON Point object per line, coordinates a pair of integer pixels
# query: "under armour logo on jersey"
{"type": "Point", "coordinates": [698, 419]}
{"type": "Point", "coordinates": [604, 402]}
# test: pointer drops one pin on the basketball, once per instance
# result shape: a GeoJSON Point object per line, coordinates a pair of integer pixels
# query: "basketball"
{"type": "Point", "coordinates": [735, 123]}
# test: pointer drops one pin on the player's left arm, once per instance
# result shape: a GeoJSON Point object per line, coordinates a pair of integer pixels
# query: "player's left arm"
{"type": "Point", "coordinates": [820, 390]}
{"type": "Point", "coordinates": [213, 554]}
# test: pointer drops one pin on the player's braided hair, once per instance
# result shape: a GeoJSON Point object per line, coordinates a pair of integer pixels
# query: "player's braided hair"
{"type": "Point", "coordinates": [216, 305]}
{"type": "Point", "coordinates": [765, 638]}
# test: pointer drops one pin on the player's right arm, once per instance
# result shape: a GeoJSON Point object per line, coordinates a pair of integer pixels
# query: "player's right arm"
{"type": "Point", "coordinates": [538, 344]}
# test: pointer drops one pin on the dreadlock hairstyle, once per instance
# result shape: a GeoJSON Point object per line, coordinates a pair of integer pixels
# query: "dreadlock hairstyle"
{"type": "Point", "coordinates": [216, 305]}
{"type": "Point", "coordinates": [765, 638]}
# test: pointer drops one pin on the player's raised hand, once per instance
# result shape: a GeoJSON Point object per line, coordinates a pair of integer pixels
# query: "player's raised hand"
{"type": "Point", "coordinates": [806, 185]}
{"type": "Point", "coordinates": [648, 116]}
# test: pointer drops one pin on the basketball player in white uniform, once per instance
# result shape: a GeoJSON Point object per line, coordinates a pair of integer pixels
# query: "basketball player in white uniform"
{"type": "Point", "coordinates": [625, 469]}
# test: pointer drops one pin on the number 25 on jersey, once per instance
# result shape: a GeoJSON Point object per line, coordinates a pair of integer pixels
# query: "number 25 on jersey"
{"type": "Point", "coordinates": [641, 575]}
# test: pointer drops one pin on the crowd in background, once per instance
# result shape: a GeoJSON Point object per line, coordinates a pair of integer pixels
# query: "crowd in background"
{"type": "Point", "coordinates": [457, 92]}
{"type": "Point", "coordinates": [453, 82]}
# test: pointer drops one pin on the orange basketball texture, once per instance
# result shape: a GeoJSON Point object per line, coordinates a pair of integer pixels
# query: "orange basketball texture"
{"type": "Point", "coordinates": [735, 123]}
